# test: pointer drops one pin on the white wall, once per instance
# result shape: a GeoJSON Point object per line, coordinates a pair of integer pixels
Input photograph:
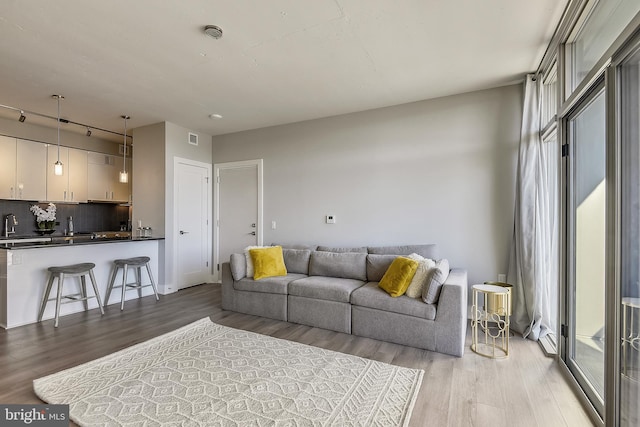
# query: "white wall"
{"type": "Point", "coordinates": [155, 148]}
{"type": "Point", "coordinates": [148, 177]}
{"type": "Point", "coordinates": [437, 171]}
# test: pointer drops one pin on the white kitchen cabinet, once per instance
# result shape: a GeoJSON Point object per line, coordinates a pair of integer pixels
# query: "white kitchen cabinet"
{"type": "Point", "coordinates": [8, 167]}
{"type": "Point", "coordinates": [31, 170]}
{"type": "Point", "coordinates": [103, 174]}
{"type": "Point", "coordinates": [71, 186]}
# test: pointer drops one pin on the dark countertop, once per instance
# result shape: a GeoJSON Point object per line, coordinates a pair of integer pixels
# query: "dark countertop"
{"type": "Point", "coordinates": [73, 241]}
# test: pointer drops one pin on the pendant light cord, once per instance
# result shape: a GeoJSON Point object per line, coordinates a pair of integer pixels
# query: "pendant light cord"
{"type": "Point", "coordinates": [124, 147]}
{"type": "Point", "coordinates": [58, 96]}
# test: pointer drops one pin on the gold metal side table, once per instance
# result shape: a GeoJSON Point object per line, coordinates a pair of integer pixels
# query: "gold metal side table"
{"type": "Point", "coordinates": [490, 313]}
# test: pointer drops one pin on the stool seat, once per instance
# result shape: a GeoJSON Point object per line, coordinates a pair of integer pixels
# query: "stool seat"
{"type": "Point", "coordinates": [138, 261]}
{"type": "Point", "coordinates": [60, 272]}
{"type": "Point", "coordinates": [73, 268]}
{"type": "Point", "coordinates": [124, 264]}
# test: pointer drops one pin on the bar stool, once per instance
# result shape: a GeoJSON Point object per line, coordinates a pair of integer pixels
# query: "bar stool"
{"type": "Point", "coordinates": [137, 263]}
{"type": "Point", "coordinates": [60, 273]}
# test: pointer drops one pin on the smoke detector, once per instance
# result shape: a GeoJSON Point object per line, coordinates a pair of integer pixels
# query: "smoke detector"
{"type": "Point", "coordinates": [213, 31]}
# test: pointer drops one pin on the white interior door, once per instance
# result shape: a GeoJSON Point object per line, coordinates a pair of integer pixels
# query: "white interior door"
{"type": "Point", "coordinates": [193, 236]}
{"type": "Point", "coordinates": [238, 207]}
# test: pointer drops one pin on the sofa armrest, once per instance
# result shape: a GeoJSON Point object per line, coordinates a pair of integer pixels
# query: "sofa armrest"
{"type": "Point", "coordinates": [228, 291]}
{"type": "Point", "coordinates": [451, 314]}
{"type": "Point", "coordinates": [238, 266]}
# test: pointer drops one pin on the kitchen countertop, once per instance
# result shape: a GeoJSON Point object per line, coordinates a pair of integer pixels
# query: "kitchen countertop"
{"type": "Point", "coordinates": [72, 240]}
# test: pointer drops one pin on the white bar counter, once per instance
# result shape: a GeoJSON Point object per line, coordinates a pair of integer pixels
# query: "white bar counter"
{"type": "Point", "coordinates": [23, 276]}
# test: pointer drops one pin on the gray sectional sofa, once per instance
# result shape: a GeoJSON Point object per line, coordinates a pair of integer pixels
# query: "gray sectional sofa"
{"type": "Point", "coordinates": [337, 289]}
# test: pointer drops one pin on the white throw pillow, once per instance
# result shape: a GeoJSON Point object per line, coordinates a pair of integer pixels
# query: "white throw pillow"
{"type": "Point", "coordinates": [424, 265]}
{"type": "Point", "coordinates": [247, 256]}
{"type": "Point", "coordinates": [435, 278]}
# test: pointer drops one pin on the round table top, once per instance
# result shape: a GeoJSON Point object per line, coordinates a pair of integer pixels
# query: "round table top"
{"type": "Point", "coordinates": [491, 289]}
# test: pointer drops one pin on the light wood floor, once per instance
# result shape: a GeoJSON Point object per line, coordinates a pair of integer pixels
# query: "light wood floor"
{"type": "Point", "coordinates": [527, 389]}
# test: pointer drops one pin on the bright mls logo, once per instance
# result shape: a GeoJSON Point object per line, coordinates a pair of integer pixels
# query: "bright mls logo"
{"type": "Point", "coordinates": [34, 415]}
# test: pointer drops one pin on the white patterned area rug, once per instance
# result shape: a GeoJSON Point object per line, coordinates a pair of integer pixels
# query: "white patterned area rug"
{"type": "Point", "coordinates": [205, 374]}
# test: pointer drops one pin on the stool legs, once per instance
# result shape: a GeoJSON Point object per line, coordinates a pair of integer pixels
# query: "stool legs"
{"type": "Point", "coordinates": [137, 271]}
{"type": "Point", "coordinates": [153, 283]}
{"type": "Point", "coordinates": [124, 285]}
{"type": "Point", "coordinates": [58, 273]}
{"type": "Point", "coordinates": [95, 290]}
{"type": "Point", "coordinates": [58, 298]}
{"type": "Point", "coordinates": [45, 297]}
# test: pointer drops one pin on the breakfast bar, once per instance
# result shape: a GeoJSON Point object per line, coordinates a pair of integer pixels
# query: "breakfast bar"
{"type": "Point", "coordinates": [24, 263]}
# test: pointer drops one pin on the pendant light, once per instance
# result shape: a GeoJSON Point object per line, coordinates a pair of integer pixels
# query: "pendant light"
{"type": "Point", "coordinates": [124, 176]}
{"type": "Point", "coordinates": [57, 166]}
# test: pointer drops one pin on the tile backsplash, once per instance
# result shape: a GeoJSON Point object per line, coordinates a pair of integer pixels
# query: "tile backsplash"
{"type": "Point", "coordinates": [87, 217]}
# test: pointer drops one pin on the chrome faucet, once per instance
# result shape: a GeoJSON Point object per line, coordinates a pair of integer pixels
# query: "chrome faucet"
{"type": "Point", "coordinates": [10, 222]}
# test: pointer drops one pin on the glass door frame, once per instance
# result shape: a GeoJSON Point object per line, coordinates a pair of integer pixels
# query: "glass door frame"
{"type": "Point", "coordinates": [569, 237]}
{"type": "Point", "coordinates": [614, 229]}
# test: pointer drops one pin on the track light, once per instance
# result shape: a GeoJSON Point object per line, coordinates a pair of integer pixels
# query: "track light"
{"type": "Point", "coordinates": [22, 117]}
{"type": "Point", "coordinates": [88, 132]}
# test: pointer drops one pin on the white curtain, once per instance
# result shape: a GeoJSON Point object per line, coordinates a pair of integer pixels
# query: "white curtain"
{"type": "Point", "coordinates": [532, 261]}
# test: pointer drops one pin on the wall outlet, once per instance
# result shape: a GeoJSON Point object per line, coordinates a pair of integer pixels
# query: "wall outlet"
{"type": "Point", "coordinates": [331, 219]}
{"type": "Point", "coordinates": [502, 277]}
{"type": "Point", "coordinates": [273, 225]}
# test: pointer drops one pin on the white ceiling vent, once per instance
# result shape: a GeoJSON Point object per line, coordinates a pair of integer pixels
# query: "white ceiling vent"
{"type": "Point", "coordinates": [193, 138]}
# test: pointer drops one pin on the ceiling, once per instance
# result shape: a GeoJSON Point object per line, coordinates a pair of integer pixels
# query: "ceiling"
{"type": "Point", "coordinates": [279, 61]}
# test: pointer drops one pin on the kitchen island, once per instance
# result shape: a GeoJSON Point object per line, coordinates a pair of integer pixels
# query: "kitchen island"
{"type": "Point", "coordinates": [23, 272]}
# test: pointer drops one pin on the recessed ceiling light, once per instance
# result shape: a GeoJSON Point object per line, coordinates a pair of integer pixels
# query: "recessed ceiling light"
{"type": "Point", "coordinates": [213, 31]}
{"type": "Point", "coordinates": [215, 116]}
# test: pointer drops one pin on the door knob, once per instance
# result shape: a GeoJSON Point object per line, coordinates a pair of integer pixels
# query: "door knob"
{"type": "Point", "coordinates": [184, 232]}
{"type": "Point", "coordinates": [253, 233]}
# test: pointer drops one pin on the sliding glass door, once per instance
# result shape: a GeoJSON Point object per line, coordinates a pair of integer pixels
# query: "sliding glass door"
{"type": "Point", "coordinates": [586, 136]}
{"type": "Point", "coordinates": [629, 301]}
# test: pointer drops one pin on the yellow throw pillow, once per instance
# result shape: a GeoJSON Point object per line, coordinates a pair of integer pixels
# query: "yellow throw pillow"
{"type": "Point", "coordinates": [267, 262]}
{"type": "Point", "coordinates": [398, 276]}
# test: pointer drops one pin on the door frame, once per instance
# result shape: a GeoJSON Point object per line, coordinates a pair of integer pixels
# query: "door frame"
{"type": "Point", "coordinates": [217, 167]}
{"type": "Point", "coordinates": [207, 166]}
{"type": "Point", "coordinates": [595, 402]}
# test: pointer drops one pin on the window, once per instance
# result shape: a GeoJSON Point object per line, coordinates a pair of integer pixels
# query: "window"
{"type": "Point", "coordinates": [601, 23]}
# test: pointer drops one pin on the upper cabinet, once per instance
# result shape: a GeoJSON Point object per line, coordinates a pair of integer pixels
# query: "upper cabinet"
{"type": "Point", "coordinates": [31, 170]}
{"type": "Point", "coordinates": [8, 169]}
{"type": "Point", "coordinates": [23, 175]}
{"type": "Point", "coordinates": [71, 186]}
{"type": "Point", "coordinates": [26, 173]}
{"type": "Point", "coordinates": [103, 174]}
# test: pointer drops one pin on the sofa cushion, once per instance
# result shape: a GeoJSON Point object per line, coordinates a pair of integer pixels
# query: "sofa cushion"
{"type": "Point", "coordinates": [372, 296]}
{"type": "Point", "coordinates": [344, 265]}
{"type": "Point", "coordinates": [325, 288]}
{"type": "Point", "coordinates": [397, 278]}
{"type": "Point", "coordinates": [419, 279]}
{"type": "Point", "coordinates": [269, 285]}
{"type": "Point", "coordinates": [360, 250]}
{"type": "Point", "coordinates": [238, 265]}
{"type": "Point", "coordinates": [297, 260]}
{"type": "Point", "coordinates": [249, 261]}
{"type": "Point", "coordinates": [427, 251]}
{"type": "Point", "coordinates": [436, 277]}
{"type": "Point", "coordinates": [306, 247]}
{"type": "Point", "coordinates": [267, 262]}
{"type": "Point", "coordinates": [377, 265]}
